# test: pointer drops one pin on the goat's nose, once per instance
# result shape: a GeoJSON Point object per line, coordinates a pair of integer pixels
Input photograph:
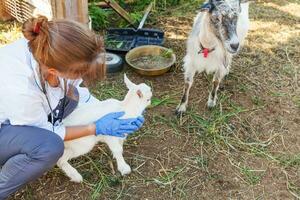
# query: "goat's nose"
{"type": "Point", "coordinates": [235, 46]}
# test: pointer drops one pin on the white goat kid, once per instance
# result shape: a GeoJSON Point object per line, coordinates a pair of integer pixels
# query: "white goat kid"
{"type": "Point", "coordinates": [218, 32]}
{"type": "Point", "coordinates": [134, 103]}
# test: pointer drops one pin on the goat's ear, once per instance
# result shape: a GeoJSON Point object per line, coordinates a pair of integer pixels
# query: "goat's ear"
{"type": "Point", "coordinates": [216, 2]}
{"type": "Point", "coordinates": [139, 93]}
{"type": "Point", "coordinates": [207, 7]}
{"type": "Point", "coordinates": [128, 83]}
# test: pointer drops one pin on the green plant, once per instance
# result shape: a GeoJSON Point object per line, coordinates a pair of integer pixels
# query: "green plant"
{"type": "Point", "coordinates": [135, 16]}
{"type": "Point", "coordinates": [165, 100]}
{"type": "Point", "coordinates": [99, 17]}
{"type": "Point", "coordinates": [163, 4]}
{"type": "Point", "coordinates": [167, 53]}
{"type": "Point", "coordinates": [252, 176]}
{"type": "Point", "coordinates": [113, 44]}
{"type": "Point", "coordinates": [140, 5]}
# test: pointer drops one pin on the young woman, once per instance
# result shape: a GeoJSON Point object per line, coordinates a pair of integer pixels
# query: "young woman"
{"type": "Point", "coordinates": [39, 85]}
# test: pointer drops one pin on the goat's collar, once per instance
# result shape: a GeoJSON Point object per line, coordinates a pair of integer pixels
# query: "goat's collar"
{"type": "Point", "coordinates": [205, 51]}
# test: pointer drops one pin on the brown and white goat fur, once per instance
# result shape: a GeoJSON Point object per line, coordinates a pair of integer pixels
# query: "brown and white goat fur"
{"type": "Point", "coordinates": [220, 27]}
{"type": "Point", "coordinates": [134, 103]}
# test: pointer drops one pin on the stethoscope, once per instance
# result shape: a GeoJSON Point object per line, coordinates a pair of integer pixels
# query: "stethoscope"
{"type": "Point", "coordinates": [42, 87]}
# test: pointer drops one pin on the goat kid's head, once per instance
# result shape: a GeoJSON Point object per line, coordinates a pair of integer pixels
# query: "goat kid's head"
{"type": "Point", "coordinates": [142, 91]}
{"type": "Point", "coordinates": [223, 16]}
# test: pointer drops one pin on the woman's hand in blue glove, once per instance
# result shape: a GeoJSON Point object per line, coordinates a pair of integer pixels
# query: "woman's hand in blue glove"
{"type": "Point", "coordinates": [112, 125]}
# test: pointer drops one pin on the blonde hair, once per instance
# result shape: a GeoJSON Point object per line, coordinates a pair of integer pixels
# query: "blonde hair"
{"type": "Point", "coordinates": [66, 46]}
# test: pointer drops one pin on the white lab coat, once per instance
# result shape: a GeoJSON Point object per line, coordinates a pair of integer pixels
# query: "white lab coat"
{"type": "Point", "coordinates": [21, 100]}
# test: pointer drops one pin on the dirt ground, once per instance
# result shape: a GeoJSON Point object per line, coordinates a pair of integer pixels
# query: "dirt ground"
{"type": "Point", "coordinates": [248, 147]}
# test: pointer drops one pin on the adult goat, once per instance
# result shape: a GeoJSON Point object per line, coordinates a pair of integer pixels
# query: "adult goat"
{"type": "Point", "coordinates": [218, 32]}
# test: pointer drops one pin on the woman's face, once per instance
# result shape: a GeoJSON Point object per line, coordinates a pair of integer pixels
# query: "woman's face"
{"type": "Point", "coordinates": [67, 75]}
{"type": "Point", "coordinates": [55, 72]}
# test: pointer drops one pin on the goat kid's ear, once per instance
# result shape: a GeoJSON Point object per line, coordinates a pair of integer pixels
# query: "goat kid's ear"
{"type": "Point", "coordinates": [128, 83]}
{"type": "Point", "coordinates": [139, 93]}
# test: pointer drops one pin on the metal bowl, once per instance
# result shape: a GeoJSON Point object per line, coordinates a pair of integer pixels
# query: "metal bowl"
{"type": "Point", "coordinates": [147, 50]}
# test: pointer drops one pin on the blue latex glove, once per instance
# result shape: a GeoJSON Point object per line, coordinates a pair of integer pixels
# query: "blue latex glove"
{"type": "Point", "coordinates": [110, 124]}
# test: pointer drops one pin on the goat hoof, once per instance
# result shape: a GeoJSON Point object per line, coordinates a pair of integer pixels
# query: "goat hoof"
{"type": "Point", "coordinates": [211, 103]}
{"type": "Point", "coordinates": [222, 87]}
{"type": "Point", "coordinates": [180, 110]}
{"type": "Point", "coordinates": [124, 169]}
{"type": "Point", "coordinates": [77, 178]}
{"type": "Point", "coordinates": [179, 113]}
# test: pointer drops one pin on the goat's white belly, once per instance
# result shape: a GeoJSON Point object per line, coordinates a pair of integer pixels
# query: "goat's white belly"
{"type": "Point", "coordinates": [80, 146]}
{"type": "Point", "coordinates": [209, 65]}
{"type": "Point", "coordinates": [196, 61]}
{"type": "Point", "coordinates": [83, 115]}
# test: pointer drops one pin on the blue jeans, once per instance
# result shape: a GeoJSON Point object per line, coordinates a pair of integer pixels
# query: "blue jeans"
{"type": "Point", "coordinates": [25, 154]}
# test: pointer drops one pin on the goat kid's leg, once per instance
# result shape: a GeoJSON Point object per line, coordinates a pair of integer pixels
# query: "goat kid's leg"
{"type": "Point", "coordinates": [116, 147]}
{"type": "Point", "coordinates": [70, 171]}
{"type": "Point", "coordinates": [212, 99]}
{"type": "Point", "coordinates": [189, 77]}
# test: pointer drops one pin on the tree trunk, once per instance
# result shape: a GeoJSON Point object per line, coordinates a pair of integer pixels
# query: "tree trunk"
{"type": "Point", "coordinates": [71, 9]}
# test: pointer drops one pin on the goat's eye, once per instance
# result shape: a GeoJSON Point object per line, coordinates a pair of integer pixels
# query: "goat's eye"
{"type": "Point", "coordinates": [217, 18]}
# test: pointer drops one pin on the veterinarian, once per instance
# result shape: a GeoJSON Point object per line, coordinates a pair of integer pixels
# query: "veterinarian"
{"type": "Point", "coordinates": [39, 85]}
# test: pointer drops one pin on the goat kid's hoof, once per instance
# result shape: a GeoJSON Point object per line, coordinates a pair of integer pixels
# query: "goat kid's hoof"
{"type": "Point", "coordinates": [77, 178]}
{"type": "Point", "coordinates": [124, 169]}
{"type": "Point", "coordinates": [180, 110]}
{"type": "Point", "coordinates": [211, 103]}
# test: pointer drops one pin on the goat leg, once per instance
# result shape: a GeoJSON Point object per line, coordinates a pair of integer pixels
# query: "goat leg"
{"type": "Point", "coordinates": [212, 99]}
{"type": "Point", "coordinates": [116, 146]}
{"type": "Point", "coordinates": [181, 108]}
{"type": "Point", "coordinates": [70, 171]}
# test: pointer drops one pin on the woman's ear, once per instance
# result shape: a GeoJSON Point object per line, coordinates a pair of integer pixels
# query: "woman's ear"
{"type": "Point", "coordinates": [53, 71]}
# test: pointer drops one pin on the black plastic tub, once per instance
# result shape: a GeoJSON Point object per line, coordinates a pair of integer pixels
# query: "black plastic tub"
{"type": "Point", "coordinates": [122, 40]}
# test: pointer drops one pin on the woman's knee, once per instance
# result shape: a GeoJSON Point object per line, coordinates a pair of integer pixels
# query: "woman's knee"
{"type": "Point", "coordinates": [56, 147]}
{"type": "Point", "coordinates": [50, 149]}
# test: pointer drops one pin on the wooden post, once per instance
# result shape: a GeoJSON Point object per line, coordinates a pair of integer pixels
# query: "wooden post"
{"type": "Point", "coordinates": [4, 16]}
{"type": "Point", "coordinates": [71, 9]}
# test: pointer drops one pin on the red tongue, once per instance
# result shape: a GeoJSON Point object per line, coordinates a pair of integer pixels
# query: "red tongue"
{"type": "Point", "coordinates": [205, 52]}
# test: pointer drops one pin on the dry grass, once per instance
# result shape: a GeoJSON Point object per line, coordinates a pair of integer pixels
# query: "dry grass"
{"type": "Point", "coordinates": [9, 31]}
{"type": "Point", "coordinates": [246, 148]}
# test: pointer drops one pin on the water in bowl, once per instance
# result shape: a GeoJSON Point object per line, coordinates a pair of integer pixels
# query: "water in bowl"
{"type": "Point", "coordinates": [152, 61]}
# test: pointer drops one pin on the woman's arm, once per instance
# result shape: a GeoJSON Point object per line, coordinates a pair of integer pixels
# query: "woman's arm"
{"type": "Point", "coordinates": [109, 124]}
{"type": "Point", "coordinates": [74, 132]}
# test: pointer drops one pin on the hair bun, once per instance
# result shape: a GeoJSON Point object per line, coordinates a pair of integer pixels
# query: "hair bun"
{"type": "Point", "coordinates": [34, 26]}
